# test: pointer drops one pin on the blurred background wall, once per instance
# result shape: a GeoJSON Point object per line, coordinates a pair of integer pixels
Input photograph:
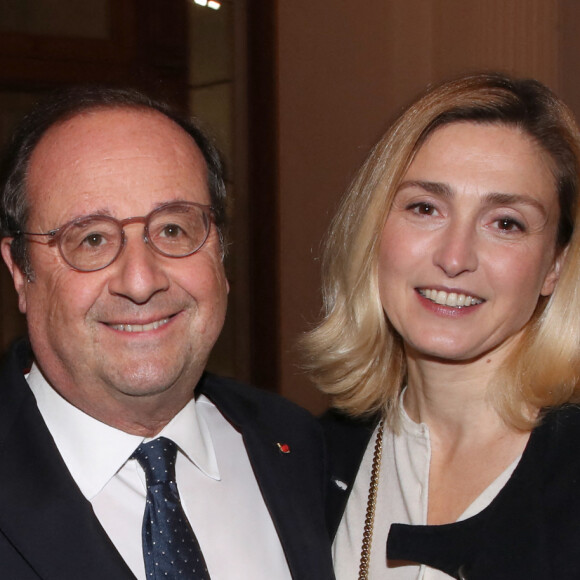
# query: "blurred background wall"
{"type": "Point", "coordinates": [296, 92]}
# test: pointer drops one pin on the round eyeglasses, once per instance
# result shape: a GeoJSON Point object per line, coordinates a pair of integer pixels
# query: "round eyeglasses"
{"type": "Point", "coordinates": [93, 242]}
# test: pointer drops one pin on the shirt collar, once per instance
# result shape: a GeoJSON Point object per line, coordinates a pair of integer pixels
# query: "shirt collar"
{"type": "Point", "coordinates": [189, 430]}
{"type": "Point", "coordinates": [94, 451]}
{"type": "Point", "coordinates": [409, 426]}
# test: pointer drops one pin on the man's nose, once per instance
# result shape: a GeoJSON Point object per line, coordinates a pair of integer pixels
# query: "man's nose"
{"type": "Point", "coordinates": [456, 249]}
{"type": "Point", "coordinates": [138, 273]}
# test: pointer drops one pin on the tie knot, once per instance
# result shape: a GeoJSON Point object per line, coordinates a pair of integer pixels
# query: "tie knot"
{"type": "Point", "coordinates": [157, 458]}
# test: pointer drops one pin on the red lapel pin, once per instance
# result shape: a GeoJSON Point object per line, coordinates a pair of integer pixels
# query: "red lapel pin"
{"type": "Point", "coordinates": [283, 447]}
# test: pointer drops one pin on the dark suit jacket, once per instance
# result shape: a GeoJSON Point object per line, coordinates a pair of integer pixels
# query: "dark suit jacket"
{"type": "Point", "coordinates": [530, 531]}
{"type": "Point", "coordinates": [48, 529]}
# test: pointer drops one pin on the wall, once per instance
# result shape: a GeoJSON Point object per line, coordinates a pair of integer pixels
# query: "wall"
{"type": "Point", "coordinates": [217, 95]}
{"type": "Point", "coordinates": [344, 70]}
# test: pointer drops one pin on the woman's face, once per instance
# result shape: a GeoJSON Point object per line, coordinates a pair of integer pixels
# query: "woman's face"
{"type": "Point", "coordinates": [469, 244]}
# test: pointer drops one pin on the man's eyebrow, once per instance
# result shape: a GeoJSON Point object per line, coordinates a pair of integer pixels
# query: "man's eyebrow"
{"type": "Point", "coordinates": [106, 212]}
{"type": "Point", "coordinates": [97, 212]}
{"type": "Point", "coordinates": [493, 198]}
{"type": "Point", "coordinates": [102, 211]}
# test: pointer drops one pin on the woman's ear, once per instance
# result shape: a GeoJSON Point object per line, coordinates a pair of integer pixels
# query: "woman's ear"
{"type": "Point", "coordinates": [553, 274]}
{"type": "Point", "coordinates": [19, 278]}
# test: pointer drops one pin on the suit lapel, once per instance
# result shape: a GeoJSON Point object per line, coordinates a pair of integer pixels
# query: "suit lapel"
{"type": "Point", "coordinates": [42, 512]}
{"type": "Point", "coordinates": [291, 482]}
{"type": "Point", "coordinates": [287, 489]}
{"type": "Point", "coordinates": [346, 442]}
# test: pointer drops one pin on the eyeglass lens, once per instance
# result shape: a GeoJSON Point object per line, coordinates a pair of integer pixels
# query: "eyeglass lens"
{"type": "Point", "coordinates": [94, 242]}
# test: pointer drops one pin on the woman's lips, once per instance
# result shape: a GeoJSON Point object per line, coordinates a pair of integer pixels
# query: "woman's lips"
{"type": "Point", "coordinates": [452, 299]}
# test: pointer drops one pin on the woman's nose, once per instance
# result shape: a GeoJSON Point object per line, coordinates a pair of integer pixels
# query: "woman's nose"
{"type": "Point", "coordinates": [455, 251]}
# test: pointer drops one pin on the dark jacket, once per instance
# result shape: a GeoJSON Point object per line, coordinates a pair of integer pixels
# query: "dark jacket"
{"type": "Point", "coordinates": [530, 531]}
{"type": "Point", "coordinates": [48, 529]}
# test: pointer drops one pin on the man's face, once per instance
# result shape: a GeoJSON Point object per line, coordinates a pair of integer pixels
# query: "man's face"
{"type": "Point", "coordinates": [120, 163]}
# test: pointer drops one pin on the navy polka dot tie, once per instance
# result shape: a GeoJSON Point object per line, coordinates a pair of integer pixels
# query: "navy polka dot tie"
{"type": "Point", "coordinates": [170, 548]}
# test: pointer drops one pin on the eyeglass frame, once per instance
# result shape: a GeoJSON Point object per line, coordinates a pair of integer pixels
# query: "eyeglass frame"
{"type": "Point", "coordinates": [57, 233]}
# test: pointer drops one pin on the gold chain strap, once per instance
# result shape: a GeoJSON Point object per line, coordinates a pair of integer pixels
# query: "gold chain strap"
{"type": "Point", "coordinates": [365, 553]}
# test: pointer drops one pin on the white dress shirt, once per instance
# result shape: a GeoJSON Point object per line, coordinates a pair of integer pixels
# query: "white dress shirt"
{"type": "Point", "coordinates": [218, 489]}
{"type": "Point", "coordinates": [402, 498]}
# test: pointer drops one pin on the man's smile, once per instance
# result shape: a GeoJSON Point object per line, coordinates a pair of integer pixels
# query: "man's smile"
{"type": "Point", "coordinates": [139, 327]}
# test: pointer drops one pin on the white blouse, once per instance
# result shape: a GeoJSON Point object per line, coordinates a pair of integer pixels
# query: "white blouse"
{"type": "Point", "coordinates": [402, 498]}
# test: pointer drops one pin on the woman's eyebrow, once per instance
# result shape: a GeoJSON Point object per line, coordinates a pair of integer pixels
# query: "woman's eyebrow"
{"type": "Point", "coordinates": [493, 198]}
{"type": "Point", "coordinates": [514, 199]}
{"type": "Point", "coordinates": [434, 187]}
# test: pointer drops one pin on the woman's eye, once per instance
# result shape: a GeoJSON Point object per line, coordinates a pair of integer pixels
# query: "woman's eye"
{"type": "Point", "coordinates": [510, 225]}
{"type": "Point", "coordinates": [423, 208]}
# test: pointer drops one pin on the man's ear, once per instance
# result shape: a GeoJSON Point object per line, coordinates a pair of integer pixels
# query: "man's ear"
{"type": "Point", "coordinates": [18, 276]}
{"type": "Point", "coordinates": [553, 274]}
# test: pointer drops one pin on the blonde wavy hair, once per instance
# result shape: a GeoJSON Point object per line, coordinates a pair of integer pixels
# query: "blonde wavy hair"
{"type": "Point", "coordinates": [354, 354]}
